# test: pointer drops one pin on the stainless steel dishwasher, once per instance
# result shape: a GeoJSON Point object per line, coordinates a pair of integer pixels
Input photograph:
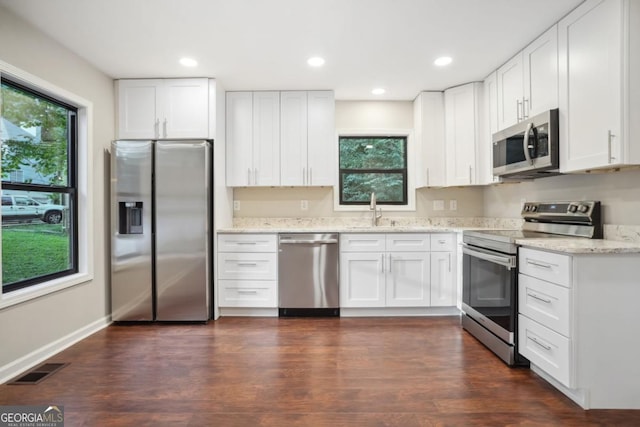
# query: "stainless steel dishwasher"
{"type": "Point", "coordinates": [308, 275]}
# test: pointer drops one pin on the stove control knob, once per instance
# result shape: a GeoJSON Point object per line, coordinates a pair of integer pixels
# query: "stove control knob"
{"type": "Point", "coordinates": [526, 208]}
{"type": "Point", "coordinates": [573, 208]}
{"type": "Point", "coordinates": [583, 208]}
{"type": "Point", "coordinates": [533, 208]}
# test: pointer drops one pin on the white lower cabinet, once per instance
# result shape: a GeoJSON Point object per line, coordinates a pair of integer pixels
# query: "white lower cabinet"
{"type": "Point", "coordinates": [408, 279]}
{"type": "Point", "coordinates": [247, 270]}
{"type": "Point", "coordinates": [443, 280]}
{"type": "Point", "coordinates": [577, 317]}
{"type": "Point", "coordinates": [362, 279]}
{"type": "Point", "coordinates": [395, 270]}
{"type": "Point", "coordinates": [546, 348]}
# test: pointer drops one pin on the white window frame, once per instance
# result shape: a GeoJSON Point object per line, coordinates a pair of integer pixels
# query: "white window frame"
{"type": "Point", "coordinates": [411, 189]}
{"type": "Point", "coordinates": [84, 184]}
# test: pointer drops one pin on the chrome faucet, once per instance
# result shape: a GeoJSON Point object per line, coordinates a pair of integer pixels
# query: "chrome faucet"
{"type": "Point", "coordinates": [375, 215]}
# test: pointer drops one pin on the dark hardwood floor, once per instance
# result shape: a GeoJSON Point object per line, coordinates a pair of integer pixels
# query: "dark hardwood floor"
{"type": "Point", "coordinates": [299, 372]}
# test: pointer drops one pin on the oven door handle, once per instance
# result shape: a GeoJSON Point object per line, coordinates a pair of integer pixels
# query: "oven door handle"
{"type": "Point", "coordinates": [504, 260]}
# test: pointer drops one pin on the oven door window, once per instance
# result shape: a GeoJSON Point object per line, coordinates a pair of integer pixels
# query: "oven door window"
{"type": "Point", "coordinates": [489, 288]}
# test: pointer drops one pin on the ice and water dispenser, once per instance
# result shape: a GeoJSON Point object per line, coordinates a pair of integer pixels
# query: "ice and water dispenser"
{"type": "Point", "coordinates": [130, 217]}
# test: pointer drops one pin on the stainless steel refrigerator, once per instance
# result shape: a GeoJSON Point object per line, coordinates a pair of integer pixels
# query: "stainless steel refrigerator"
{"type": "Point", "coordinates": [161, 225]}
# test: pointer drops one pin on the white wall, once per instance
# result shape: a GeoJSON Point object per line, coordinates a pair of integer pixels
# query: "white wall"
{"type": "Point", "coordinates": [619, 193]}
{"type": "Point", "coordinates": [360, 116]}
{"type": "Point", "coordinates": [29, 327]}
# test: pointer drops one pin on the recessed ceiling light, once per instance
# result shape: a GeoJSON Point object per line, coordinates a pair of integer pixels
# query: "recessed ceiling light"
{"type": "Point", "coordinates": [316, 61]}
{"type": "Point", "coordinates": [378, 91]}
{"type": "Point", "coordinates": [188, 62]}
{"type": "Point", "coordinates": [442, 61]}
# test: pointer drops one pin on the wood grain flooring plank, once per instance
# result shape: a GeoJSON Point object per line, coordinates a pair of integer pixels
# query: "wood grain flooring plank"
{"type": "Point", "coordinates": [299, 372]}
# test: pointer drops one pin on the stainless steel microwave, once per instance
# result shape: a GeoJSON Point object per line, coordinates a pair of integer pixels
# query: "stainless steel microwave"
{"type": "Point", "coordinates": [528, 149]}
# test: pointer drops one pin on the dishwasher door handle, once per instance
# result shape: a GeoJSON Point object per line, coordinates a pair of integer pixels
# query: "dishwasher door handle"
{"type": "Point", "coordinates": [310, 242]}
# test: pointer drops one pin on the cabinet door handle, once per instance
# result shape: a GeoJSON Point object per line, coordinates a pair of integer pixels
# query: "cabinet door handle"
{"type": "Point", "coordinates": [304, 176]}
{"type": "Point", "coordinates": [246, 243]}
{"type": "Point", "coordinates": [255, 176]}
{"type": "Point", "coordinates": [546, 347]}
{"type": "Point", "coordinates": [449, 263]}
{"type": "Point", "coordinates": [382, 262]}
{"type": "Point", "coordinates": [610, 137]}
{"type": "Point", "coordinates": [525, 110]}
{"type": "Point", "coordinates": [470, 174]}
{"type": "Point", "coordinates": [248, 176]}
{"type": "Point", "coordinates": [539, 264]}
{"type": "Point", "coordinates": [156, 128]}
{"type": "Point", "coordinates": [427, 177]}
{"type": "Point", "coordinates": [518, 118]}
{"type": "Point", "coordinates": [390, 262]}
{"type": "Point", "coordinates": [164, 127]}
{"type": "Point", "coordinates": [534, 296]}
{"type": "Point", "coordinates": [247, 292]}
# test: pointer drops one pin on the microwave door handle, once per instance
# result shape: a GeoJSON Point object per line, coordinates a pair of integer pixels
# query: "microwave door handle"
{"type": "Point", "coordinates": [525, 144]}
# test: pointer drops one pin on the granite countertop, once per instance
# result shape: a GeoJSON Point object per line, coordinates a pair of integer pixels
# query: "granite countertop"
{"type": "Point", "coordinates": [618, 239]}
{"type": "Point", "coordinates": [348, 229]}
{"type": "Point", "coordinates": [581, 246]}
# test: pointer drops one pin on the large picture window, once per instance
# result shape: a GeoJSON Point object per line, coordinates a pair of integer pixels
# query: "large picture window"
{"type": "Point", "coordinates": [373, 164]}
{"type": "Point", "coordinates": [39, 193]}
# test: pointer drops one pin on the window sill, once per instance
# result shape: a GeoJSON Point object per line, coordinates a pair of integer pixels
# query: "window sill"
{"type": "Point", "coordinates": [36, 291]}
{"type": "Point", "coordinates": [365, 208]}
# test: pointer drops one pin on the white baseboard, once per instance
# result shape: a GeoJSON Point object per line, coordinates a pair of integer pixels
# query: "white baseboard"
{"type": "Point", "coordinates": [248, 312]}
{"type": "Point", "coordinates": [399, 312]}
{"type": "Point", "coordinates": [41, 354]}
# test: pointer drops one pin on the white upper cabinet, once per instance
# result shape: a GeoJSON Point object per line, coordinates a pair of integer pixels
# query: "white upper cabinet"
{"type": "Point", "coordinates": [280, 138]}
{"type": "Point", "coordinates": [540, 60]}
{"type": "Point", "coordinates": [253, 139]}
{"type": "Point", "coordinates": [322, 144]}
{"type": "Point", "coordinates": [308, 144]}
{"type": "Point", "coordinates": [428, 119]}
{"type": "Point", "coordinates": [528, 83]}
{"type": "Point", "coordinates": [163, 108]}
{"type": "Point", "coordinates": [491, 127]}
{"type": "Point", "coordinates": [266, 138]}
{"type": "Point", "coordinates": [599, 94]}
{"type": "Point", "coordinates": [510, 89]}
{"type": "Point", "coordinates": [293, 138]}
{"type": "Point", "coordinates": [462, 105]}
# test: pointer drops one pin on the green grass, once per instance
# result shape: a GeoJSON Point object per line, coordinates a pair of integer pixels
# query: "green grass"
{"type": "Point", "coordinates": [32, 251]}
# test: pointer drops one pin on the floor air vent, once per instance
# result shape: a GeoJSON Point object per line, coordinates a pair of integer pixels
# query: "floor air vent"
{"type": "Point", "coordinates": [38, 374]}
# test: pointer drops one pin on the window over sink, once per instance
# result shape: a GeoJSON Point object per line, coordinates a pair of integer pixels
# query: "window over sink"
{"type": "Point", "coordinates": [373, 164]}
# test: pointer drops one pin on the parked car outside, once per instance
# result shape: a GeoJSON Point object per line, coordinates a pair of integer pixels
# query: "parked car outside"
{"type": "Point", "coordinates": [23, 208]}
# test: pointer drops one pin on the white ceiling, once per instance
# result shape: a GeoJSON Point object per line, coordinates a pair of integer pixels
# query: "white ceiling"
{"type": "Point", "coordinates": [264, 44]}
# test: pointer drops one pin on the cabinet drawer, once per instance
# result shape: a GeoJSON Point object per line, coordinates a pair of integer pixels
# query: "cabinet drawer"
{"type": "Point", "coordinates": [246, 266]}
{"type": "Point", "coordinates": [443, 242]}
{"type": "Point", "coordinates": [545, 302]}
{"type": "Point", "coordinates": [362, 242]}
{"type": "Point", "coordinates": [407, 242]}
{"type": "Point", "coordinates": [545, 348]}
{"type": "Point", "coordinates": [552, 267]}
{"type": "Point", "coordinates": [248, 293]}
{"type": "Point", "coordinates": [247, 242]}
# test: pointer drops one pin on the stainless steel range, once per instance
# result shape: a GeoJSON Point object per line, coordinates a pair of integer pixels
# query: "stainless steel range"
{"type": "Point", "coordinates": [490, 269]}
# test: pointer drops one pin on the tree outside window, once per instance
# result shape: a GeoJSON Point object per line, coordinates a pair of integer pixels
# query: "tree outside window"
{"type": "Point", "coordinates": [38, 148]}
{"type": "Point", "coordinates": [373, 164]}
